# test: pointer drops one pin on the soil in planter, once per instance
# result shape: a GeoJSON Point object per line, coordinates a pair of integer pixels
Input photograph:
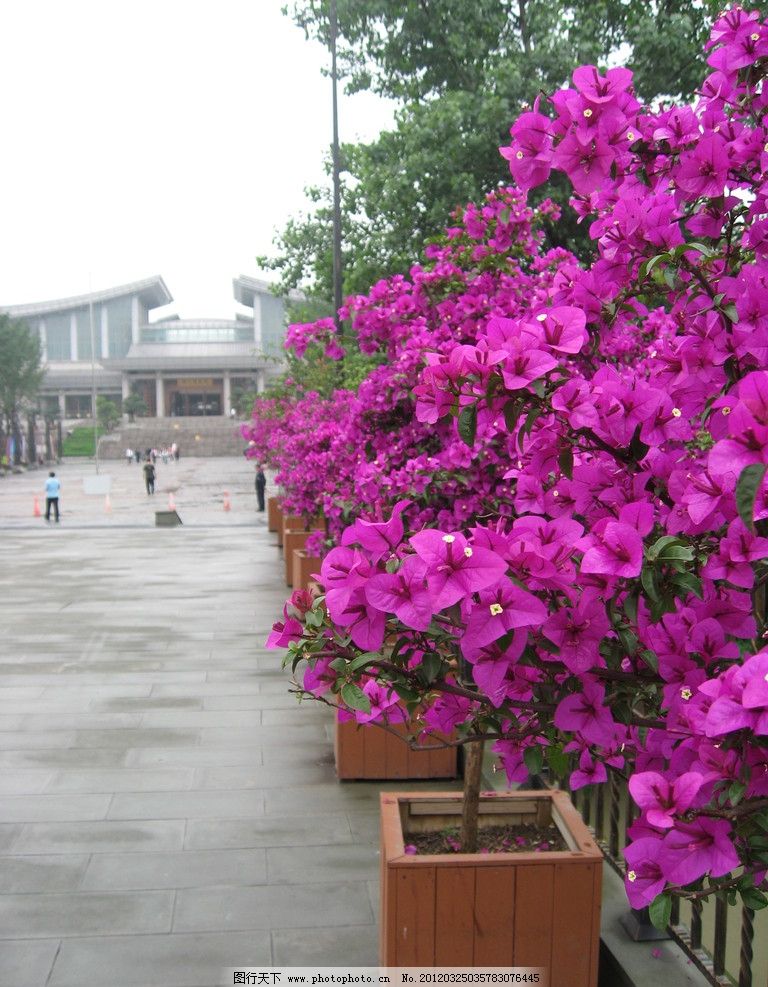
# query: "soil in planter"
{"type": "Point", "coordinates": [494, 839]}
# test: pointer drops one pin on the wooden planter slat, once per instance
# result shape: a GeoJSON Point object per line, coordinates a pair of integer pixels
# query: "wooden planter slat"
{"type": "Point", "coordinates": [495, 909]}
{"type": "Point", "coordinates": [376, 754]}
{"type": "Point", "coordinates": [303, 567]}
{"type": "Point", "coordinates": [274, 514]}
{"type": "Point", "coordinates": [291, 541]}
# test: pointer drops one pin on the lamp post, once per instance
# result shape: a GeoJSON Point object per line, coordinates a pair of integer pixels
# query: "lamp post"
{"type": "Point", "coordinates": [336, 175]}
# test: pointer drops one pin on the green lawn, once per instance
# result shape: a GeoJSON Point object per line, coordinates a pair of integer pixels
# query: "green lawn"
{"type": "Point", "coordinates": [80, 442]}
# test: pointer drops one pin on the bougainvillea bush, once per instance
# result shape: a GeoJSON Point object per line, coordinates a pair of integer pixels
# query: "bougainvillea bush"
{"type": "Point", "coordinates": [610, 611]}
{"type": "Point", "coordinates": [335, 455]}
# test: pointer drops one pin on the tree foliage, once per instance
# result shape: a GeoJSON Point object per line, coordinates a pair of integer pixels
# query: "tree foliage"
{"type": "Point", "coordinates": [21, 365]}
{"type": "Point", "coordinates": [462, 72]}
{"type": "Point", "coordinates": [107, 413]}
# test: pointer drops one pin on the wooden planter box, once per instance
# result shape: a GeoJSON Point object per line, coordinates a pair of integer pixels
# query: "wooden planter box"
{"type": "Point", "coordinates": [274, 514]}
{"type": "Point", "coordinates": [296, 522]}
{"type": "Point", "coordinates": [303, 567]}
{"type": "Point", "coordinates": [493, 909]}
{"type": "Point", "coordinates": [363, 753]}
{"type": "Point", "coordinates": [292, 540]}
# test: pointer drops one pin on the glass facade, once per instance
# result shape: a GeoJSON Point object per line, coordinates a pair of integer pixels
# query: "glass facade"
{"type": "Point", "coordinates": [83, 320]}
{"type": "Point", "coordinates": [58, 345]}
{"type": "Point", "coordinates": [197, 334]}
{"type": "Point", "coordinates": [119, 322]}
{"type": "Point", "coordinates": [272, 325]}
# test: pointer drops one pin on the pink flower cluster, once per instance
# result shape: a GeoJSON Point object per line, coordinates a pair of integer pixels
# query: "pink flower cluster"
{"type": "Point", "coordinates": [574, 561]}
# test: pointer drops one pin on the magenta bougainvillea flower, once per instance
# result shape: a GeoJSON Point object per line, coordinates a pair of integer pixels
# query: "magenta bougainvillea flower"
{"type": "Point", "coordinates": [568, 552]}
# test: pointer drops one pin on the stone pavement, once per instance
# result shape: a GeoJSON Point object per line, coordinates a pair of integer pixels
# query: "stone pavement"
{"type": "Point", "coordinates": [166, 808]}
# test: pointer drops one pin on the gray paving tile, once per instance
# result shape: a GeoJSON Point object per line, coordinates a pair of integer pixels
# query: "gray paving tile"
{"type": "Point", "coordinates": [59, 720]}
{"type": "Point", "coordinates": [193, 757]}
{"type": "Point", "coordinates": [160, 961]}
{"type": "Point", "coordinates": [27, 962]}
{"type": "Point", "coordinates": [188, 805]}
{"type": "Point", "coordinates": [38, 872]}
{"type": "Point", "coordinates": [98, 837]}
{"type": "Point", "coordinates": [55, 808]}
{"type": "Point", "coordinates": [67, 756]}
{"type": "Point", "coordinates": [230, 688]}
{"type": "Point", "coordinates": [130, 703]}
{"type": "Point", "coordinates": [120, 780]}
{"type": "Point", "coordinates": [24, 782]}
{"type": "Point", "coordinates": [185, 869]}
{"type": "Point", "coordinates": [137, 737]}
{"type": "Point", "coordinates": [8, 835]}
{"type": "Point", "coordinates": [319, 864]}
{"type": "Point", "coordinates": [299, 737]}
{"type": "Point", "coordinates": [223, 719]}
{"type": "Point", "coordinates": [269, 831]}
{"type": "Point", "coordinates": [260, 776]}
{"type": "Point", "coordinates": [357, 946]}
{"type": "Point", "coordinates": [273, 906]}
{"type": "Point", "coordinates": [41, 916]}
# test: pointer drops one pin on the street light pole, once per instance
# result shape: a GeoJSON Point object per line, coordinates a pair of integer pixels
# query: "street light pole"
{"type": "Point", "coordinates": [336, 176]}
{"type": "Point", "coordinates": [93, 378]}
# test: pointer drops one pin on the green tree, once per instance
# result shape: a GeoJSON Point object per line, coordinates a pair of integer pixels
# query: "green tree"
{"type": "Point", "coordinates": [21, 374]}
{"type": "Point", "coordinates": [462, 72]}
{"type": "Point", "coordinates": [107, 413]}
{"type": "Point", "coordinates": [134, 405]}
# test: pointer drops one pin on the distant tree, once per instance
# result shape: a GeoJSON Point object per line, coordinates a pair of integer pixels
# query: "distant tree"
{"type": "Point", "coordinates": [21, 374]}
{"type": "Point", "coordinates": [134, 405]}
{"type": "Point", "coordinates": [107, 413]}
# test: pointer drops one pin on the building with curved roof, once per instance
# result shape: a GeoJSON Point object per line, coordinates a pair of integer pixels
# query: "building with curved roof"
{"type": "Point", "coordinates": [178, 366]}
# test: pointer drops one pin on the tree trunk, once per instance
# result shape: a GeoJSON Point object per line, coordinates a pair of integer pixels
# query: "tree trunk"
{"type": "Point", "coordinates": [48, 447]}
{"type": "Point", "coordinates": [31, 440]}
{"type": "Point", "coordinates": [473, 764]}
{"type": "Point", "coordinates": [17, 439]}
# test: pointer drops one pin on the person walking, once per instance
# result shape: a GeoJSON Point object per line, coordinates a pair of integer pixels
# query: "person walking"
{"type": "Point", "coordinates": [261, 483]}
{"type": "Point", "coordinates": [129, 456]}
{"type": "Point", "coordinates": [52, 490]}
{"type": "Point", "coordinates": [149, 476]}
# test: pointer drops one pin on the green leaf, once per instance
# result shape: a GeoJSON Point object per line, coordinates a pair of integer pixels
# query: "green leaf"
{"type": "Point", "coordinates": [467, 424]}
{"type": "Point", "coordinates": [746, 490]}
{"type": "Point", "coordinates": [512, 411]}
{"type": "Point", "coordinates": [565, 461]}
{"type": "Point", "coordinates": [534, 759]}
{"type": "Point", "coordinates": [430, 666]}
{"type": "Point", "coordinates": [406, 694]}
{"type": "Point", "coordinates": [648, 579]}
{"type": "Point", "coordinates": [651, 659]}
{"type": "Point", "coordinates": [557, 761]}
{"type": "Point", "coordinates": [689, 583]}
{"type": "Point", "coordinates": [660, 544]}
{"type": "Point", "coordinates": [660, 911]}
{"type": "Point", "coordinates": [531, 417]}
{"type": "Point", "coordinates": [367, 658]}
{"type": "Point", "coordinates": [392, 565]}
{"type": "Point", "coordinates": [676, 553]}
{"type": "Point", "coordinates": [754, 899]}
{"type": "Point", "coordinates": [338, 664]}
{"type": "Point", "coordinates": [355, 698]}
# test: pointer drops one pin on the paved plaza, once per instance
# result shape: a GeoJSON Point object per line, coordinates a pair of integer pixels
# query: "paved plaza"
{"type": "Point", "coordinates": [166, 808]}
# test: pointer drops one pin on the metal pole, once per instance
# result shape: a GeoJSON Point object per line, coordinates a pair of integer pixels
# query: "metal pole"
{"type": "Point", "coordinates": [93, 380]}
{"type": "Point", "coordinates": [336, 180]}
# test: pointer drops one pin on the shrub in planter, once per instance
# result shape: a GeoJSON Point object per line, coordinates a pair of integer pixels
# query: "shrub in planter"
{"type": "Point", "coordinates": [612, 604]}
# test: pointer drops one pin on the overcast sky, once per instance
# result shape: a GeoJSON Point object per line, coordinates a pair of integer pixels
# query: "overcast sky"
{"type": "Point", "coordinates": [162, 137]}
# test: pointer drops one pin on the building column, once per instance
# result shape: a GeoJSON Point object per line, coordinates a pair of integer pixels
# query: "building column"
{"type": "Point", "coordinates": [259, 381]}
{"type": "Point", "coordinates": [62, 404]}
{"type": "Point", "coordinates": [159, 396]}
{"type": "Point", "coordinates": [125, 385]}
{"type": "Point", "coordinates": [227, 393]}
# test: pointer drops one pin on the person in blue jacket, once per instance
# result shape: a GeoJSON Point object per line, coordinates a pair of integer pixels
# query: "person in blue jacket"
{"type": "Point", "coordinates": [52, 490]}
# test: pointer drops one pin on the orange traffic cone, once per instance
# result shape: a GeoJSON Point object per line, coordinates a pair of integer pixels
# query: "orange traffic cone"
{"type": "Point", "coordinates": [227, 505]}
{"type": "Point", "coordinates": [107, 505]}
{"type": "Point", "coordinates": [171, 502]}
{"type": "Point", "coordinates": [36, 512]}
